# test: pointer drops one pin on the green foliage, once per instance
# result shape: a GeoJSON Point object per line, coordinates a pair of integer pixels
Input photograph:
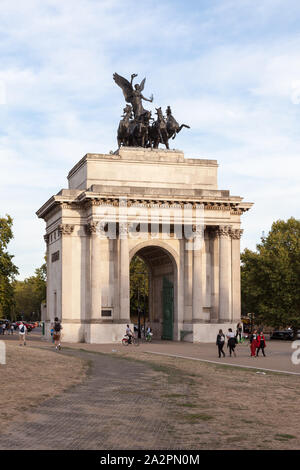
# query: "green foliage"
{"type": "Point", "coordinates": [8, 270]}
{"type": "Point", "coordinates": [271, 276]}
{"type": "Point", "coordinates": [139, 286]}
{"type": "Point", "coordinates": [30, 293]}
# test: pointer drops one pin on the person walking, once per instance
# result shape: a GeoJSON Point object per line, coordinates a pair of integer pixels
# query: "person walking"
{"type": "Point", "coordinates": [231, 344]}
{"type": "Point", "coordinates": [12, 329]}
{"type": "Point", "coordinates": [239, 330]}
{"type": "Point", "coordinates": [22, 334]}
{"type": "Point", "coordinates": [253, 343]}
{"type": "Point", "coordinates": [3, 328]}
{"type": "Point", "coordinates": [261, 343]}
{"type": "Point", "coordinates": [57, 333]}
{"type": "Point", "coordinates": [220, 342]}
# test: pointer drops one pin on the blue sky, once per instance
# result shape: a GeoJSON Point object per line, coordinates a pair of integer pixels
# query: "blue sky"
{"type": "Point", "coordinates": [230, 69]}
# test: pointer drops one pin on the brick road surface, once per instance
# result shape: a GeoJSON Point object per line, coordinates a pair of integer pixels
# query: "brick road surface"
{"type": "Point", "coordinates": [114, 408]}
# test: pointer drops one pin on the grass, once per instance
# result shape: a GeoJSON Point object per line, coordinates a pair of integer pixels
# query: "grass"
{"type": "Point", "coordinates": [196, 417]}
{"type": "Point", "coordinates": [284, 437]}
{"type": "Point", "coordinates": [188, 405]}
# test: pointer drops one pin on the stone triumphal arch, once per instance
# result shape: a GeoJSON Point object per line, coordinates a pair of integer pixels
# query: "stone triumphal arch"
{"type": "Point", "coordinates": [167, 209]}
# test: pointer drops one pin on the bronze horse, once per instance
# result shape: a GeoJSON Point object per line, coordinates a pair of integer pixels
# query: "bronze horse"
{"type": "Point", "coordinates": [124, 127]}
{"type": "Point", "coordinates": [173, 127]}
{"type": "Point", "coordinates": [159, 132]}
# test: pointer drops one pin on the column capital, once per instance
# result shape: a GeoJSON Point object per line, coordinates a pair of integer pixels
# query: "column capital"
{"type": "Point", "coordinates": [236, 233]}
{"type": "Point", "coordinates": [223, 231]}
{"type": "Point", "coordinates": [91, 228]}
{"type": "Point", "coordinates": [65, 229]}
{"type": "Point", "coordinates": [123, 230]}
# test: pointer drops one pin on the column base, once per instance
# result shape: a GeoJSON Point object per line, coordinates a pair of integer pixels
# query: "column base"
{"type": "Point", "coordinates": [205, 332]}
{"type": "Point", "coordinates": [90, 332]}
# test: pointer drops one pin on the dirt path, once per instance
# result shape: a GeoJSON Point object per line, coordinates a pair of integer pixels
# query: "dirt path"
{"type": "Point", "coordinates": [31, 376]}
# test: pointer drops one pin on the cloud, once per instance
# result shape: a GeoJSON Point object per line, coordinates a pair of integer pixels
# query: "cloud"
{"type": "Point", "coordinates": [230, 70]}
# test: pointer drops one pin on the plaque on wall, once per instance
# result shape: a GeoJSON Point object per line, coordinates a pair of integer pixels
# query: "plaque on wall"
{"type": "Point", "coordinates": [106, 313]}
{"type": "Point", "coordinates": [55, 256]}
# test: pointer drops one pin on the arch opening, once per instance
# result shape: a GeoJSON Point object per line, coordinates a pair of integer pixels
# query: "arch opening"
{"type": "Point", "coordinates": [152, 291]}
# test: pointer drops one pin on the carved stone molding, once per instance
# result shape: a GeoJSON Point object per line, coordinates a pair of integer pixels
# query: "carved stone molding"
{"type": "Point", "coordinates": [123, 230]}
{"type": "Point", "coordinates": [236, 233]}
{"type": "Point", "coordinates": [65, 229]}
{"type": "Point", "coordinates": [46, 238]}
{"type": "Point", "coordinates": [217, 207]}
{"type": "Point", "coordinates": [224, 231]}
{"type": "Point", "coordinates": [91, 228]}
{"type": "Point", "coordinates": [236, 212]}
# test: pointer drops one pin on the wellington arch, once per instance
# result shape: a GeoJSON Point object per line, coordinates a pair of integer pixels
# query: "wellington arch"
{"type": "Point", "coordinates": [168, 210]}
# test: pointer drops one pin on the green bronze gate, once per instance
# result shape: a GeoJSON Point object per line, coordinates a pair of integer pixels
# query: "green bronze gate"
{"type": "Point", "coordinates": [168, 302]}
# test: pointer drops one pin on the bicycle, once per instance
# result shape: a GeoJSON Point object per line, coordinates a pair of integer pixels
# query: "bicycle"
{"type": "Point", "coordinates": [149, 337]}
{"type": "Point", "coordinates": [134, 341]}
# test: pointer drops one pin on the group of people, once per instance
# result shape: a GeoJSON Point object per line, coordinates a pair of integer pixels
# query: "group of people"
{"type": "Point", "coordinates": [7, 328]}
{"type": "Point", "coordinates": [129, 333]}
{"type": "Point", "coordinates": [257, 342]}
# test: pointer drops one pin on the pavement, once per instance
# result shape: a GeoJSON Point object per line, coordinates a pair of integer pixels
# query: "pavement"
{"type": "Point", "coordinates": [278, 353]}
{"type": "Point", "coordinates": [121, 404]}
{"type": "Point", "coordinates": [114, 408]}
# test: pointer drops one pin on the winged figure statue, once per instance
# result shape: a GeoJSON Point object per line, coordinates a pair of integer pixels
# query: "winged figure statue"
{"type": "Point", "coordinates": [133, 95]}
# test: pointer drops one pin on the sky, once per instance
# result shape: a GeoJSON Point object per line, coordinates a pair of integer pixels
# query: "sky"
{"type": "Point", "coordinates": [229, 69]}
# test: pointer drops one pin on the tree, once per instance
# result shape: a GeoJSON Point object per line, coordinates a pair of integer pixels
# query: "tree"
{"type": "Point", "coordinates": [30, 293]}
{"type": "Point", "coordinates": [270, 277]}
{"type": "Point", "coordinates": [139, 289]}
{"type": "Point", "coordinates": [8, 270]}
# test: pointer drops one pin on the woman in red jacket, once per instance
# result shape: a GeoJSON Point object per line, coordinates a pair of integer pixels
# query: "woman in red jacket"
{"type": "Point", "coordinates": [253, 343]}
{"type": "Point", "coordinates": [261, 343]}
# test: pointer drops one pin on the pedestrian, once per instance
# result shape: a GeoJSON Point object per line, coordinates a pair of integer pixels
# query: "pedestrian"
{"type": "Point", "coordinates": [3, 328]}
{"type": "Point", "coordinates": [231, 344]}
{"type": "Point", "coordinates": [220, 343]}
{"type": "Point", "coordinates": [22, 334]}
{"type": "Point", "coordinates": [253, 343]}
{"type": "Point", "coordinates": [12, 329]}
{"type": "Point", "coordinates": [239, 330]}
{"type": "Point", "coordinates": [261, 343]}
{"type": "Point", "coordinates": [0, 328]}
{"type": "Point", "coordinates": [57, 333]}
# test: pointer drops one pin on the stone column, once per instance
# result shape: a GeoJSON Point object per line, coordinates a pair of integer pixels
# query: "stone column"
{"type": "Point", "coordinates": [95, 257]}
{"type": "Point", "coordinates": [124, 273]}
{"type": "Point", "coordinates": [236, 274]}
{"type": "Point", "coordinates": [214, 249]}
{"type": "Point", "coordinates": [188, 283]}
{"type": "Point", "coordinates": [225, 310]}
{"type": "Point", "coordinates": [197, 277]}
{"type": "Point", "coordinates": [46, 238]}
{"type": "Point", "coordinates": [65, 231]}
